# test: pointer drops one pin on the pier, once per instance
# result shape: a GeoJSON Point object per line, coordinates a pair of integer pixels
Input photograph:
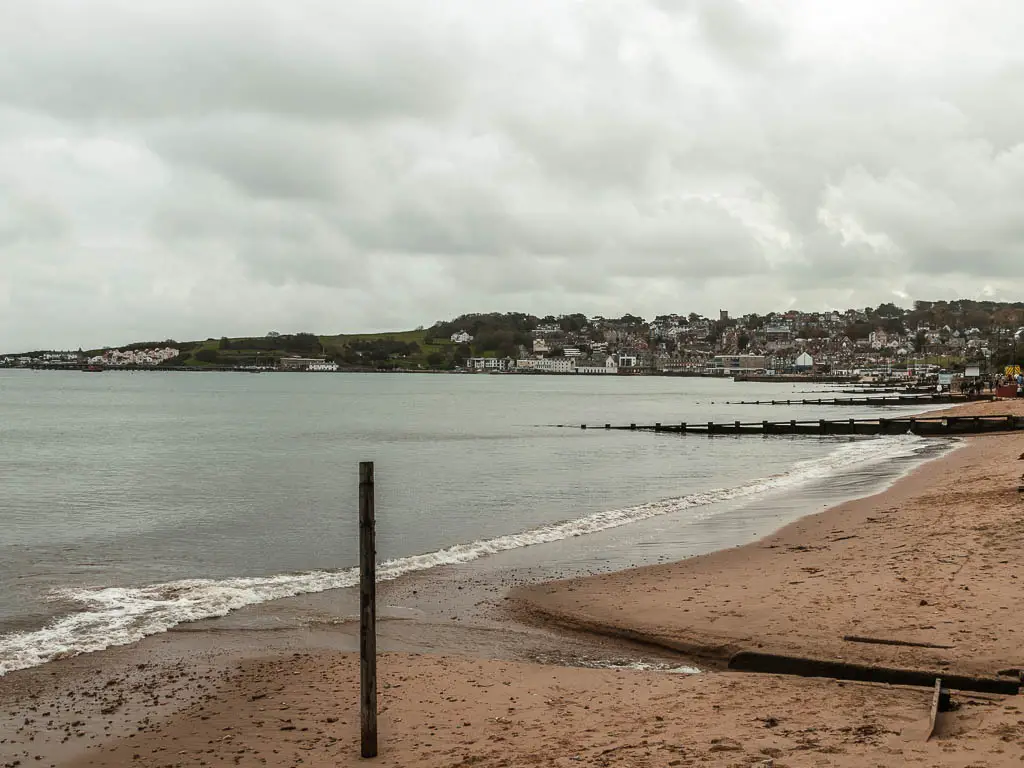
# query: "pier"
{"type": "Point", "coordinates": [935, 398]}
{"type": "Point", "coordinates": [927, 426]}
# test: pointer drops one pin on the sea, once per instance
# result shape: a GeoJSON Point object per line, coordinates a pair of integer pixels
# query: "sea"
{"type": "Point", "coordinates": [131, 503]}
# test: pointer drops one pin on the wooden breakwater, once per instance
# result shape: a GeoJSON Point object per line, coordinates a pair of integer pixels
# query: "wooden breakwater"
{"type": "Point", "coordinates": [935, 398]}
{"type": "Point", "coordinates": [927, 426]}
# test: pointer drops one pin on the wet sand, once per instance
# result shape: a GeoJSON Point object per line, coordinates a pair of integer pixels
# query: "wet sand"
{"type": "Point", "coordinates": [936, 558]}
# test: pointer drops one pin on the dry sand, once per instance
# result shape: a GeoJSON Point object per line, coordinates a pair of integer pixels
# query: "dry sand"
{"type": "Point", "coordinates": [438, 711]}
{"type": "Point", "coordinates": [936, 558]}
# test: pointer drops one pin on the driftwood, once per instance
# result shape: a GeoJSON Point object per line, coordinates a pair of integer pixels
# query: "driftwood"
{"type": "Point", "coordinates": [886, 641]}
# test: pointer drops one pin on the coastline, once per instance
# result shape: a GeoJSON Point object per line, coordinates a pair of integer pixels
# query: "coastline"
{"type": "Point", "coordinates": [928, 560]}
{"type": "Point", "coordinates": [632, 715]}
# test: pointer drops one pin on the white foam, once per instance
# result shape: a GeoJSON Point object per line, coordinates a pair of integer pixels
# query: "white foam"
{"type": "Point", "coordinates": [112, 616]}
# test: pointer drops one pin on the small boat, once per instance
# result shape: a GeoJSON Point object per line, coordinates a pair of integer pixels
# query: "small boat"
{"type": "Point", "coordinates": [93, 369]}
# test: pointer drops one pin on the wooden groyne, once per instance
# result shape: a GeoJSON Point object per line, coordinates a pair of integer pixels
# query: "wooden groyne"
{"type": "Point", "coordinates": [927, 426]}
{"type": "Point", "coordinates": [884, 400]}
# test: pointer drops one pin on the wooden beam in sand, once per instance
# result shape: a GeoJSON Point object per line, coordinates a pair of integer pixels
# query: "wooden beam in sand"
{"type": "Point", "coordinates": [937, 706]}
{"type": "Point", "coordinates": [779, 664]}
{"type": "Point", "coordinates": [367, 612]}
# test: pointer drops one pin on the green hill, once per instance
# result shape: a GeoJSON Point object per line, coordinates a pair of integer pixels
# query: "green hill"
{"type": "Point", "coordinates": [400, 349]}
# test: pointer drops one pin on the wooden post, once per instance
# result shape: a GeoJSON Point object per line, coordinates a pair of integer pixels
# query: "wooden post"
{"type": "Point", "coordinates": [367, 612]}
{"type": "Point", "coordinates": [682, 426]}
{"type": "Point", "coordinates": [711, 427]}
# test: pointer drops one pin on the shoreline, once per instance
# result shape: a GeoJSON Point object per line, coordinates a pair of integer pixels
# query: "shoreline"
{"type": "Point", "coordinates": [713, 519]}
{"type": "Point", "coordinates": [874, 566]}
{"type": "Point", "coordinates": [198, 701]}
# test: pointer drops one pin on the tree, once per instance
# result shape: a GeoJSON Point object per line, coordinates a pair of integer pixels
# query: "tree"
{"type": "Point", "coordinates": [572, 323]}
{"type": "Point", "coordinates": [208, 356]}
{"type": "Point", "coordinates": [858, 331]}
{"type": "Point", "coordinates": [742, 342]}
{"type": "Point", "coordinates": [225, 343]}
{"type": "Point", "coordinates": [435, 359]}
{"type": "Point", "coordinates": [892, 325]}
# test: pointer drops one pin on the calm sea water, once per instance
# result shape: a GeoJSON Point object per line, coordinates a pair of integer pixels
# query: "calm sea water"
{"type": "Point", "coordinates": [131, 502]}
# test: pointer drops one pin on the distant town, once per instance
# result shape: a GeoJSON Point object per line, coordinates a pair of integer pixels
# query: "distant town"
{"type": "Point", "coordinates": [886, 340]}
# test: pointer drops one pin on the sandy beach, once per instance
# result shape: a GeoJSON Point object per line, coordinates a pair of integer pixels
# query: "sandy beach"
{"type": "Point", "coordinates": [935, 559]}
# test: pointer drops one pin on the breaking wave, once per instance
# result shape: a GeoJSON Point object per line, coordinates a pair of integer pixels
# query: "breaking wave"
{"type": "Point", "coordinates": [112, 616]}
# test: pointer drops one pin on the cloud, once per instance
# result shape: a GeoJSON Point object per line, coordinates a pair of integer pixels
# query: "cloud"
{"type": "Point", "coordinates": [197, 168]}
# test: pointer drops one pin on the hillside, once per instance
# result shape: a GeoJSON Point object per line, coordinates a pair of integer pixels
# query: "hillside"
{"type": "Point", "coordinates": [400, 349]}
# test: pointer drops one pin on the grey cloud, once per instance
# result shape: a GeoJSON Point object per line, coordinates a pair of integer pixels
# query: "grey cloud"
{"type": "Point", "coordinates": [208, 167]}
{"type": "Point", "coordinates": [264, 157]}
{"type": "Point", "coordinates": [124, 60]}
{"type": "Point", "coordinates": [27, 220]}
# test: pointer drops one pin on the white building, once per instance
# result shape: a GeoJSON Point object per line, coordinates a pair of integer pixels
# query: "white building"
{"type": "Point", "coordinates": [489, 363]}
{"type": "Point", "coordinates": [627, 361]}
{"type": "Point", "coordinates": [547, 365]}
{"type": "Point", "coordinates": [300, 363]}
{"type": "Point", "coordinates": [138, 357]}
{"type": "Point", "coordinates": [461, 337]}
{"type": "Point", "coordinates": [609, 367]}
{"type": "Point", "coordinates": [804, 361]}
{"type": "Point", "coordinates": [572, 352]}
{"type": "Point", "coordinates": [540, 347]}
{"type": "Point", "coordinates": [324, 366]}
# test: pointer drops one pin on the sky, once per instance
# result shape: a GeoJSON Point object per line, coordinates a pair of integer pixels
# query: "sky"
{"type": "Point", "coordinates": [195, 168]}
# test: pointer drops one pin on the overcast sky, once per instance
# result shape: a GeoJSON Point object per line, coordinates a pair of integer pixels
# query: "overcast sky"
{"type": "Point", "coordinates": [194, 168]}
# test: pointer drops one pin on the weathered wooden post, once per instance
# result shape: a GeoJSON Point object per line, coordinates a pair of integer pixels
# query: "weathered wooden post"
{"type": "Point", "coordinates": [367, 612]}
